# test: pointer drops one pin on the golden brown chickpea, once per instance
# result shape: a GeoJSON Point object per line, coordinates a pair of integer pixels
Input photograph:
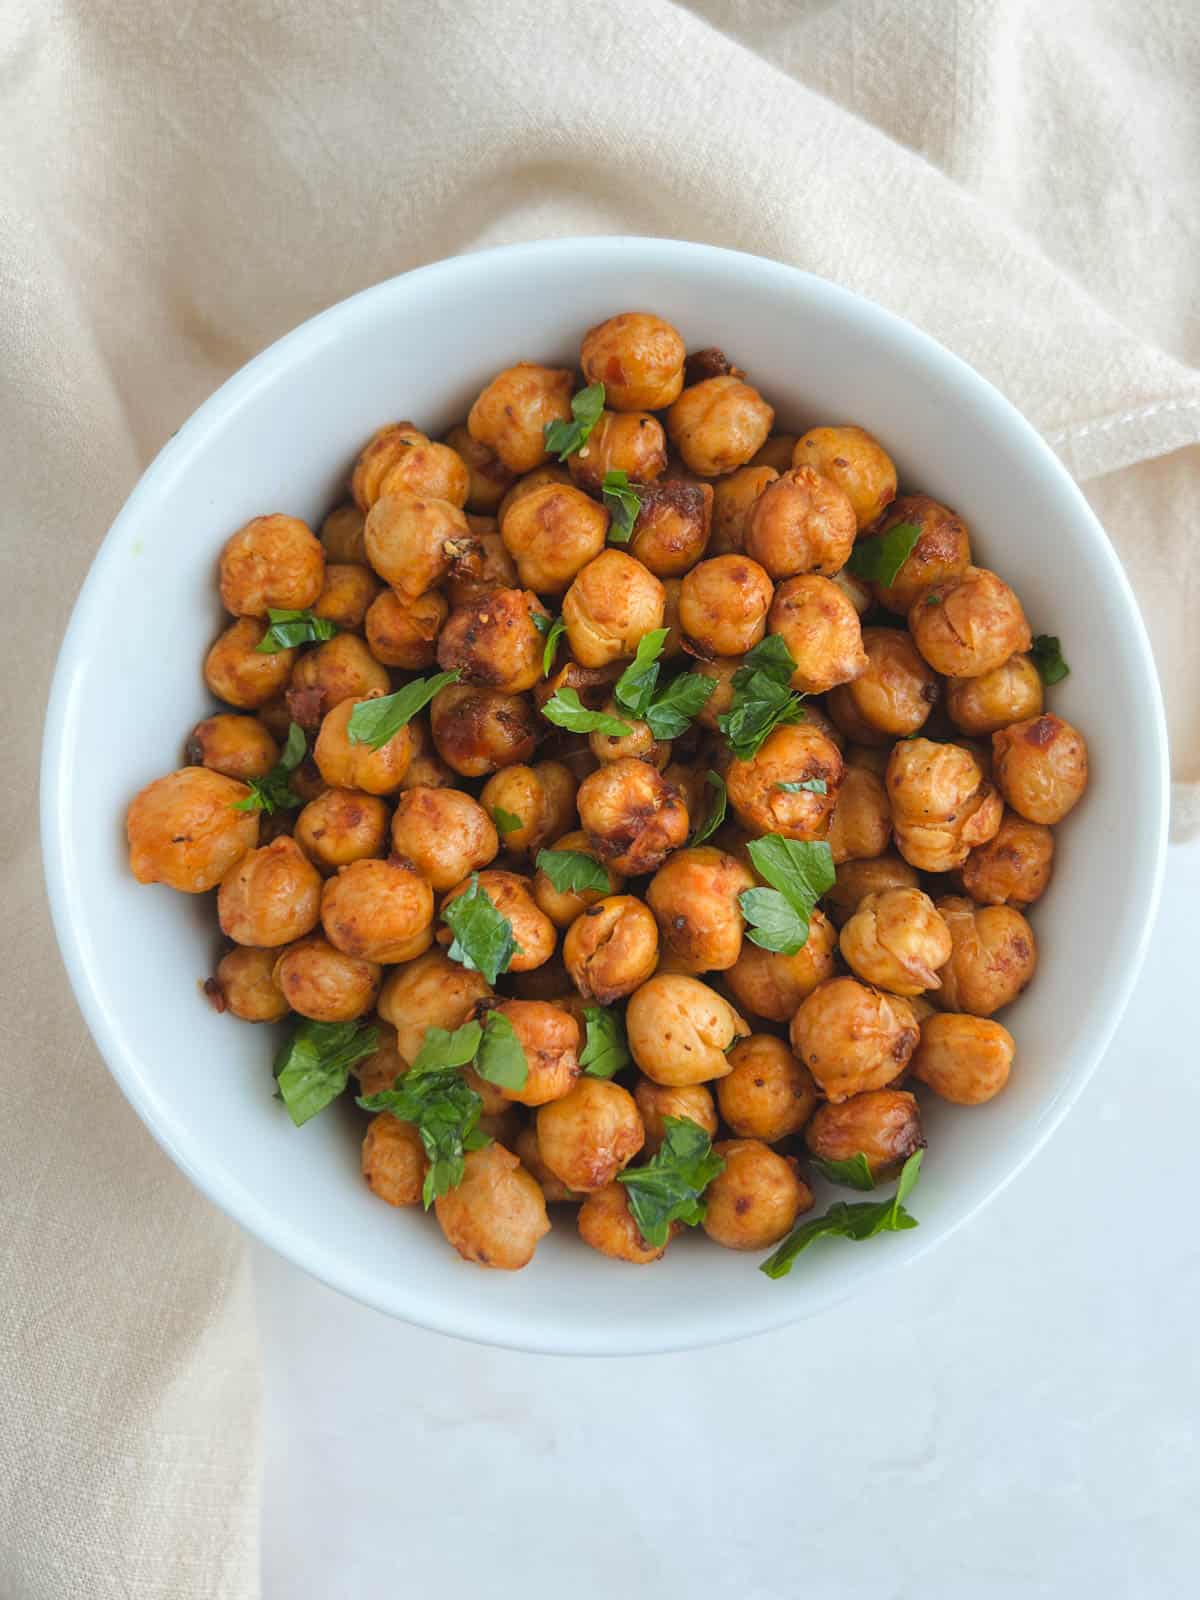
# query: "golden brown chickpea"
{"type": "Point", "coordinates": [394, 1162]}
{"type": "Point", "coordinates": [679, 1030]}
{"type": "Point", "coordinates": [378, 910]}
{"type": "Point", "coordinates": [488, 479]}
{"type": "Point", "coordinates": [718, 424]}
{"type": "Point", "coordinates": [657, 1101]}
{"type": "Point", "coordinates": [1008, 693]}
{"type": "Point", "coordinates": [852, 1037]}
{"type": "Point", "coordinates": [632, 815]}
{"type": "Point", "coordinates": [611, 948]}
{"type": "Point", "coordinates": [377, 457]}
{"type": "Point", "coordinates": [444, 833]}
{"type": "Point", "coordinates": [632, 442]}
{"type": "Point", "coordinates": [552, 533]}
{"type": "Point", "coordinates": [858, 878]}
{"type": "Point", "coordinates": [550, 1038]}
{"type": "Point", "coordinates": [694, 898]}
{"type": "Point", "coordinates": [541, 798]}
{"type": "Point", "coordinates": [346, 765]}
{"type": "Point", "coordinates": [792, 753]}
{"type": "Point", "coordinates": [434, 471]}
{"type": "Point", "coordinates": [238, 747]}
{"type": "Point", "coordinates": [637, 357]}
{"type": "Point", "coordinates": [552, 472]}
{"type": "Point", "coordinates": [346, 595]}
{"type": "Point", "coordinates": [184, 831]}
{"type": "Point", "coordinates": [968, 625]}
{"type": "Point", "coordinates": [510, 416]}
{"type": "Point", "coordinates": [606, 1223]}
{"type": "Point", "coordinates": [383, 1066]}
{"type": "Point", "coordinates": [562, 907]}
{"type": "Point", "coordinates": [942, 550]}
{"type": "Point", "coordinates": [822, 632]}
{"type": "Point", "coordinates": [854, 460]}
{"type": "Point", "coordinates": [326, 984]}
{"type": "Point", "coordinates": [639, 743]}
{"type": "Point", "coordinates": [897, 941]}
{"type": "Point", "coordinates": [416, 543]}
{"type": "Point", "coordinates": [430, 992]}
{"type": "Point", "coordinates": [777, 452]}
{"type": "Point", "coordinates": [426, 770]}
{"type": "Point", "coordinates": [610, 606]}
{"type": "Point", "coordinates": [734, 498]}
{"type": "Point", "coordinates": [801, 523]}
{"type": "Point", "coordinates": [340, 669]}
{"type": "Point", "coordinates": [526, 1147]}
{"type": "Point", "coordinates": [246, 982]}
{"type": "Point", "coordinates": [769, 1095]}
{"type": "Point", "coordinates": [510, 894]}
{"type": "Point", "coordinates": [1013, 868]}
{"type": "Point", "coordinates": [672, 527]}
{"type": "Point", "coordinates": [342, 535]}
{"type": "Point", "coordinates": [402, 632]}
{"type": "Point", "coordinates": [495, 642]}
{"type": "Point", "coordinates": [884, 1125]}
{"type": "Point", "coordinates": [942, 805]}
{"type": "Point", "coordinates": [274, 562]}
{"type": "Point", "coordinates": [772, 985]}
{"type": "Point", "coordinates": [993, 957]}
{"type": "Point", "coordinates": [756, 1199]}
{"type": "Point", "coordinates": [1041, 767]}
{"type": "Point", "coordinates": [477, 731]}
{"type": "Point", "coordinates": [723, 606]}
{"type": "Point", "coordinates": [590, 1134]}
{"type": "Point", "coordinates": [270, 897]}
{"type": "Point", "coordinates": [963, 1059]}
{"type": "Point", "coordinates": [497, 569]}
{"type": "Point", "coordinates": [237, 673]}
{"type": "Point", "coordinates": [497, 1214]}
{"type": "Point", "coordinates": [862, 819]}
{"type": "Point", "coordinates": [891, 697]}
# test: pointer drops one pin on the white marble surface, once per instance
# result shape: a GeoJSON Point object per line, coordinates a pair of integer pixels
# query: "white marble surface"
{"type": "Point", "coordinates": [1015, 1415]}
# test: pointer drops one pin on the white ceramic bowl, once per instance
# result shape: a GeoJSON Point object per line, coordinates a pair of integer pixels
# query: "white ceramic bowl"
{"type": "Point", "coordinates": [281, 435]}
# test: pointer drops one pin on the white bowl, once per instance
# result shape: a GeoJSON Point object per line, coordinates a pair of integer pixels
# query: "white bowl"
{"type": "Point", "coordinates": [281, 435]}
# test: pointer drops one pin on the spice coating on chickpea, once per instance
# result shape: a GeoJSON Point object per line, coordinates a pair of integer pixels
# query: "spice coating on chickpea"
{"type": "Point", "coordinates": [718, 424]}
{"type": "Point", "coordinates": [968, 625]}
{"type": "Point", "coordinates": [734, 498]}
{"type": "Point", "coordinates": [942, 550]}
{"type": "Point", "coordinates": [239, 747]}
{"type": "Point", "coordinates": [756, 1199]}
{"type": "Point", "coordinates": [857, 878]}
{"type": "Point", "coordinates": [590, 1134]}
{"type": "Point", "coordinates": [611, 948]}
{"type": "Point", "coordinates": [380, 453]}
{"type": "Point", "coordinates": [444, 833]}
{"type": "Point", "coordinates": [820, 627]}
{"type": "Point", "coordinates": [852, 1037]}
{"type": "Point", "coordinates": [510, 893]}
{"type": "Point", "coordinates": [346, 764]}
{"type": "Point", "coordinates": [769, 1094]}
{"type": "Point", "coordinates": [993, 956]}
{"type": "Point", "coordinates": [340, 669]}
{"type": "Point", "coordinates": [552, 533]}
{"type": "Point", "coordinates": [897, 941]}
{"type": "Point", "coordinates": [632, 815]}
{"type": "Point", "coordinates": [430, 992]}
{"type": "Point", "coordinates": [512, 412]}
{"type": "Point", "coordinates": [377, 910]}
{"type": "Point", "coordinates": [272, 896]}
{"type": "Point", "coordinates": [801, 523]}
{"type": "Point", "coordinates": [246, 981]}
{"type": "Point", "coordinates": [550, 1038]}
{"type": "Point", "coordinates": [856, 462]}
{"type": "Point", "coordinates": [1041, 767]}
{"type": "Point", "coordinates": [942, 806]}
{"type": "Point", "coordinates": [609, 608]}
{"type": "Point", "coordinates": [657, 1101]}
{"type": "Point", "coordinates": [497, 1214]}
{"type": "Point", "coordinates": [402, 631]}
{"type": "Point", "coordinates": [476, 731]}
{"type": "Point", "coordinates": [884, 1125]}
{"type": "Point", "coordinates": [495, 568]}
{"type": "Point", "coordinates": [416, 542]}
{"type": "Point", "coordinates": [793, 753]}
{"type": "Point", "coordinates": [771, 985]}
{"type": "Point", "coordinates": [347, 593]}
{"type": "Point", "coordinates": [394, 1160]}
{"type": "Point", "coordinates": [1012, 869]}
{"type": "Point", "coordinates": [861, 825]}
{"type": "Point", "coordinates": [892, 695]}
{"type": "Point", "coordinates": [672, 528]}
{"type": "Point", "coordinates": [273, 563]}
{"type": "Point", "coordinates": [488, 479]}
{"type": "Point", "coordinates": [630, 442]}
{"type": "Point", "coordinates": [236, 672]}
{"type": "Point", "coordinates": [723, 606]}
{"type": "Point", "coordinates": [694, 898]}
{"type": "Point", "coordinates": [637, 357]}
{"type": "Point", "coordinates": [606, 1224]}
{"type": "Point", "coordinates": [324, 983]}
{"type": "Point", "coordinates": [495, 642]}
{"type": "Point", "coordinates": [679, 1030]}
{"type": "Point", "coordinates": [964, 1059]}
{"type": "Point", "coordinates": [1008, 693]}
{"type": "Point", "coordinates": [183, 829]}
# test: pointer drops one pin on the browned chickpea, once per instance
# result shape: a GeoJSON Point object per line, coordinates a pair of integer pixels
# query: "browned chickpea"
{"type": "Point", "coordinates": [554, 1189]}
{"type": "Point", "coordinates": [897, 941]}
{"type": "Point", "coordinates": [718, 424]}
{"type": "Point", "coordinates": [541, 798]}
{"type": "Point", "coordinates": [1008, 693]}
{"type": "Point", "coordinates": [184, 830]}
{"type": "Point", "coordinates": [694, 898]}
{"type": "Point", "coordinates": [552, 533]}
{"type": "Point", "coordinates": [378, 910]}
{"type": "Point", "coordinates": [632, 815]}
{"type": "Point", "coordinates": [342, 535]}
{"type": "Point", "coordinates": [606, 1223]}
{"type": "Point", "coordinates": [237, 673]}
{"type": "Point", "coordinates": [444, 833]}
{"type": "Point", "coordinates": [720, 700]}
{"type": "Point", "coordinates": [891, 697]}
{"type": "Point", "coordinates": [821, 629]}
{"type": "Point", "coordinates": [346, 765]}
{"type": "Point", "coordinates": [801, 523]}
{"type": "Point", "coordinates": [274, 562]}
{"type": "Point", "coordinates": [495, 642]}
{"type": "Point", "coordinates": [632, 442]}
{"type": "Point", "coordinates": [415, 543]}
{"type": "Point", "coordinates": [270, 897]}
{"type": "Point", "coordinates": [657, 1101]}
{"type": "Point", "coordinates": [340, 669]}
{"type": "Point", "coordinates": [488, 479]}
{"type": "Point", "coordinates": [552, 472]}
{"type": "Point", "coordinates": [884, 1125]}
{"type": "Point", "coordinates": [777, 452]}
{"type": "Point", "coordinates": [590, 1134]}
{"type": "Point", "coordinates": [852, 1037]}
{"type": "Point", "coordinates": [942, 550]}
{"type": "Point", "coordinates": [679, 1030]}
{"type": "Point", "coordinates": [326, 984]}
{"type": "Point", "coordinates": [383, 1066]}
{"type": "Point", "coordinates": [510, 893]}
{"type": "Point", "coordinates": [246, 982]}
{"type": "Point", "coordinates": [477, 731]}
{"type": "Point", "coordinates": [672, 527]}
{"type": "Point", "coordinates": [402, 632]}
{"type": "Point", "coordinates": [563, 906]}
{"type": "Point", "coordinates": [756, 1199]}
{"type": "Point", "coordinates": [723, 606]}
{"type": "Point", "coordinates": [772, 985]}
{"type": "Point", "coordinates": [497, 1214]}
{"type": "Point", "coordinates": [610, 606]}
{"type": "Point", "coordinates": [1041, 766]}
{"type": "Point", "coordinates": [394, 1162]}
{"type": "Point", "coordinates": [769, 1095]}
{"type": "Point", "coordinates": [942, 805]}
{"type": "Point", "coordinates": [963, 1059]}
{"type": "Point", "coordinates": [862, 819]}
{"type": "Point", "coordinates": [550, 1038]}
{"type": "Point", "coordinates": [611, 948]}
{"type": "Point", "coordinates": [238, 747]}
{"type": "Point", "coordinates": [968, 625]}
{"type": "Point", "coordinates": [426, 770]}
{"type": "Point", "coordinates": [792, 753]}
{"type": "Point", "coordinates": [510, 416]}
{"type": "Point", "coordinates": [1013, 868]}
{"type": "Point", "coordinates": [993, 957]}
{"type": "Point", "coordinates": [434, 471]}
{"type": "Point", "coordinates": [858, 878]}
{"type": "Point", "coordinates": [637, 357]}
{"type": "Point", "coordinates": [734, 498]}
{"type": "Point", "coordinates": [639, 743]}
{"type": "Point", "coordinates": [430, 992]}
{"type": "Point", "coordinates": [673, 644]}
{"type": "Point", "coordinates": [377, 457]}
{"type": "Point", "coordinates": [854, 460]}
{"type": "Point", "coordinates": [346, 595]}
{"type": "Point", "coordinates": [497, 569]}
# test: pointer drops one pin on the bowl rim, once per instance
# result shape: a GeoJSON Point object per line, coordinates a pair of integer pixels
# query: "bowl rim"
{"type": "Point", "coordinates": [718, 1324]}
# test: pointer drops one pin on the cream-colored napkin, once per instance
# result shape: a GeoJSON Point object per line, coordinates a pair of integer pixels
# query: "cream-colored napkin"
{"type": "Point", "coordinates": [181, 183]}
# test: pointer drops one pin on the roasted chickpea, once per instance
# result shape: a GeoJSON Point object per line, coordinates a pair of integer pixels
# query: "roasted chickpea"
{"type": "Point", "coordinates": [610, 606]}
{"type": "Point", "coordinates": [777, 452]}
{"type": "Point", "coordinates": [792, 753]}
{"type": "Point", "coordinates": [563, 906]}
{"type": "Point", "coordinates": [326, 984]}
{"type": "Point", "coordinates": [897, 941]}
{"type": "Point", "coordinates": [856, 461]}
{"type": "Point", "coordinates": [274, 562]}
{"type": "Point", "coordinates": [444, 833]}
{"type": "Point", "coordinates": [720, 699]}
{"type": "Point", "coordinates": [993, 957]}
{"type": "Point", "coordinates": [430, 992]}
{"type": "Point", "coordinates": [590, 1134]}
{"type": "Point", "coordinates": [495, 642]}
{"type": "Point", "coordinates": [606, 1223]}
{"type": "Point", "coordinates": [772, 985]}
{"type": "Point", "coordinates": [942, 805]}
{"type": "Point", "coordinates": [246, 982]}
{"type": "Point", "coordinates": [884, 1125]}
{"type": "Point", "coordinates": [679, 1030]}
{"type": "Point", "coordinates": [541, 798]}
{"type": "Point", "coordinates": [552, 472]}
{"type": "Point", "coordinates": [632, 442]}
{"type": "Point", "coordinates": [342, 535]}
{"type": "Point", "coordinates": [657, 1101]}
{"type": "Point", "coordinates": [426, 770]}
{"type": "Point", "coordinates": [723, 606]}
{"type": "Point", "coordinates": [496, 569]}
{"type": "Point", "coordinates": [550, 1038]}
{"type": "Point", "coordinates": [510, 894]}
{"type": "Point", "coordinates": [394, 1162]}
{"type": "Point", "coordinates": [968, 625]}
{"type": "Point", "coordinates": [671, 531]}
{"type": "Point", "coordinates": [184, 831]}
{"type": "Point", "coordinates": [694, 898]}
{"type": "Point", "coordinates": [821, 629]}
{"type": "Point", "coordinates": [497, 1214]}
{"type": "Point", "coordinates": [891, 697]}
{"type": "Point", "coordinates": [1008, 693]}
{"type": "Point", "coordinates": [862, 819]}
{"type": "Point", "coordinates": [1013, 868]}
{"type": "Point", "coordinates": [858, 878]}
{"type": "Point", "coordinates": [963, 1059]}
{"type": "Point", "coordinates": [552, 533]}
{"type": "Point", "coordinates": [639, 743]}
{"type": "Point", "coordinates": [942, 550]}
{"type": "Point", "coordinates": [526, 1147]}
{"type": "Point", "coordinates": [611, 948]}
{"type": "Point", "coordinates": [402, 631]}
{"type": "Point", "coordinates": [718, 424]}
{"type": "Point", "coordinates": [632, 815]}
{"type": "Point", "coordinates": [270, 897]}
{"type": "Point", "coordinates": [756, 1199]}
{"type": "Point", "coordinates": [237, 673]}
{"type": "Point", "coordinates": [1041, 767]}
{"type": "Point", "coordinates": [346, 595]}
{"type": "Point", "coordinates": [381, 911]}
{"type": "Point", "coordinates": [734, 498]}
{"type": "Point", "coordinates": [477, 731]}
{"type": "Point", "coordinates": [383, 1066]}
{"type": "Point", "coordinates": [488, 479]}
{"type": "Point", "coordinates": [340, 669]}
{"type": "Point", "coordinates": [512, 413]}
{"type": "Point", "coordinates": [238, 747]}
{"type": "Point", "coordinates": [801, 523]}
{"type": "Point", "coordinates": [416, 542]}
{"type": "Point", "coordinates": [769, 1095]}
{"type": "Point", "coordinates": [852, 1037]}
{"type": "Point", "coordinates": [346, 765]}
{"type": "Point", "coordinates": [637, 357]}
{"type": "Point", "coordinates": [378, 456]}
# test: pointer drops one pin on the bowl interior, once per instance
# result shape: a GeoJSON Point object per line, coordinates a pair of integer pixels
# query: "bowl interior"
{"type": "Point", "coordinates": [281, 435]}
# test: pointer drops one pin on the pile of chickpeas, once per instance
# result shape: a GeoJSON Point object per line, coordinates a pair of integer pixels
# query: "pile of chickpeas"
{"type": "Point", "coordinates": [939, 777]}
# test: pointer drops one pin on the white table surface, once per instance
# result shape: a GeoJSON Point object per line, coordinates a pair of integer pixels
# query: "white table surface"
{"type": "Point", "coordinates": [1015, 1415]}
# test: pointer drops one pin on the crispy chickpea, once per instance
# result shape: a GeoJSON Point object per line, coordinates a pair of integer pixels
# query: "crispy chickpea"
{"type": "Point", "coordinates": [444, 833]}
{"type": "Point", "coordinates": [273, 562]}
{"type": "Point", "coordinates": [275, 716]}
{"type": "Point", "coordinates": [510, 894]}
{"type": "Point", "coordinates": [550, 1038]}
{"type": "Point", "coordinates": [672, 527]}
{"type": "Point", "coordinates": [402, 631]}
{"type": "Point", "coordinates": [792, 753]}
{"type": "Point", "coordinates": [510, 416]}
{"type": "Point", "coordinates": [632, 442]}
{"type": "Point", "coordinates": [496, 569]}
{"type": "Point", "coordinates": [347, 593]}
{"type": "Point", "coordinates": [1041, 767]}
{"type": "Point", "coordinates": [694, 898]}
{"type": "Point", "coordinates": [346, 765]}
{"type": "Point", "coordinates": [383, 1066]}
{"type": "Point", "coordinates": [488, 479]}
{"type": "Point", "coordinates": [246, 982]}
{"type": "Point", "coordinates": [777, 452]}
{"type": "Point", "coordinates": [862, 819]}
{"type": "Point", "coordinates": [606, 1223]}
{"type": "Point", "coordinates": [610, 606]}
{"type": "Point", "coordinates": [657, 1101]}
{"type": "Point", "coordinates": [342, 535]}
{"type": "Point", "coordinates": [637, 357]}
{"type": "Point", "coordinates": [326, 984]}
{"type": "Point", "coordinates": [723, 606]}
{"type": "Point", "coordinates": [340, 669]}
{"type": "Point", "coordinates": [552, 533]}
{"type": "Point", "coordinates": [639, 743]}
{"type": "Point", "coordinates": [563, 906]}
{"type": "Point", "coordinates": [426, 770]}
{"type": "Point", "coordinates": [856, 461]}
{"type": "Point", "coordinates": [756, 1199]}
{"type": "Point", "coordinates": [1013, 868]}
{"type": "Point", "coordinates": [942, 550]}
{"type": "Point", "coordinates": [590, 1134]}
{"type": "Point", "coordinates": [183, 829]}
{"type": "Point", "coordinates": [425, 468]}
{"type": "Point", "coordinates": [381, 911]}
{"type": "Point", "coordinates": [552, 472]}
{"type": "Point", "coordinates": [430, 992]}
{"type": "Point", "coordinates": [858, 878]}
{"type": "Point", "coordinates": [821, 629]}
{"type": "Point", "coordinates": [679, 1030]}
{"type": "Point", "coordinates": [772, 985]}
{"type": "Point", "coordinates": [718, 424]}
{"type": "Point", "coordinates": [801, 523]}
{"type": "Point", "coordinates": [541, 798]}
{"type": "Point", "coordinates": [891, 697]}
{"type": "Point", "coordinates": [415, 543]}
{"type": "Point", "coordinates": [963, 1059]}
{"type": "Point", "coordinates": [497, 1214]}
{"type": "Point", "coordinates": [884, 1125]}
{"type": "Point", "coordinates": [969, 624]}
{"type": "Point", "coordinates": [769, 1095]}
{"type": "Point", "coordinates": [394, 1162]}
{"type": "Point", "coordinates": [720, 699]}
{"type": "Point", "coordinates": [993, 957]}
{"type": "Point", "coordinates": [611, 948]}
{"type": "Point", "coordinates": [237, 673]}
{"type": "Point", "coordinates": [495, 642]}
{"type": "Point", "coordinates": [852, 1037]}
{"type": "Point", "coordinates": [942, 805]}
{"type": "Point", "coordinates": [632, 815]}
{"type": "Point", "coordinates": [1008, 693]}
{"type": "Point", "coordinates": [377, 457]}
{"type": "Point", "coordinates": [238, 747]}
{"type": "Point", "coordinates": [734, 498]}
{"type": "Point", "coordinates": [270, 897]}
{"type": "Point", "coordinates": [897, 941]}
{"type": "Point", "coordinates": [526, 1147]}
{"type": "Point", "coordinates": [477, 731]}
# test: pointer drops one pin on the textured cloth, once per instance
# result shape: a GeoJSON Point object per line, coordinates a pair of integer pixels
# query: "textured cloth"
{"type": "Point", "coordinates": [181, 183]}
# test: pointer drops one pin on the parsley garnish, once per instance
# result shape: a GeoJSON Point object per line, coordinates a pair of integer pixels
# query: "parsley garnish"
{"type": "Point", "coordinates": [563, 439]}
{"type": "Point", "coordinates": [483, 939]}
{"type": "Point", "coordinates": [287, 629]}
{"type": "Point", "coordinates": [374, 722]}
{"type": "Point", "coordinates": [445, 1110]}
{"type": "Point", "coordinates": [811, 785]}
{"type": "Point", "coordinates": [313, 1065]}
{"type": "Point", "coordinates": [554, 632]}
{"type": "Point", "coordinates": [501, 1057]}
{"type": "Point", "coordinates": [667, 711]}
{"type": "Point", "coordinates": [862, 1219]}
{"type": "Point", "coordinates": [855, 1172]}
{"type": "Point", "coordinates": [506, 821]}
{"type": "Point", "coordinates": [565, 710]}
{"type": "Point", "coordinates": [605, 1051]}
{"type": "Point", "coordinates": [716, 811]}
{"type": "Point", "coordinates": [763, 698]}
{"type": "Point", "coordinates": [1048, 658]}
{"type": "Point", "coordinates": [879, 559]}
{"type": "Point", "coordinates": [623, 501]}
{"type": "Point", "coordinates": [573, 871]}
{"type": "Point", "coordinates": [274, 792]}
{"type": "Point", "coordinates": [669, 1187]}
{"type": "Point", "coordinates": [800, 871]}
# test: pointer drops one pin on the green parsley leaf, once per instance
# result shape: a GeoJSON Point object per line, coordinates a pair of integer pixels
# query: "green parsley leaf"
{"type": "Point", "coordinates": [554, 632]}
{"type": "Point", "coordinates": [762, 697]}
{"type": "Point", "coordinates": [445, 1111]}
{"type": "Point", "coordinates": [812, 785]}
{"type": "Point", "coordinates": [605, 1051]}
{"type": "Point", "coordinates": [313, 1064]}
{"type": "Point", "coordinates": [564, 710]}
{"type": "Point", "coordinates": [573, 871]}
{"type": "Point", "coordinates": [676, 706]}
{"type": "Point", "coordinates": [441, 1049]}
{"type": "Point", "coordinates": [274, 792]}
{"type": "Point", "coordinates": [635, 687]}
{"type": "Point", "coordinates": [506, 821]}
{"type": "Point", "coordinates": [483, 939]}
{"type": "Point", "coordinates": [623, 501]}
{"type": "Point", "coordinates": [501, 1057]}
{"type": "Point", "coordinates": [855, 1172]}
{"type": "Point", "coordinates": [287, 629]}
{"type": "Point", "coordinates": [669, 1187]}
{"type": "Point", "coordinates": [716, 811]}
{"type": "Point", "coordinates": [799, 871]}
{"type": "Point", "coordinates": [563, 439]}
{"type": "Point", "coordinates": [374, 722]}
{"type": "Point", "coordinates": [879, 559]}
{"type": "Point", "coordinates": [774, 924]}
{"type": "Point", "coordinates": [1048, 658]}
{"type": "Point", "coordinates": [861, 1220]}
